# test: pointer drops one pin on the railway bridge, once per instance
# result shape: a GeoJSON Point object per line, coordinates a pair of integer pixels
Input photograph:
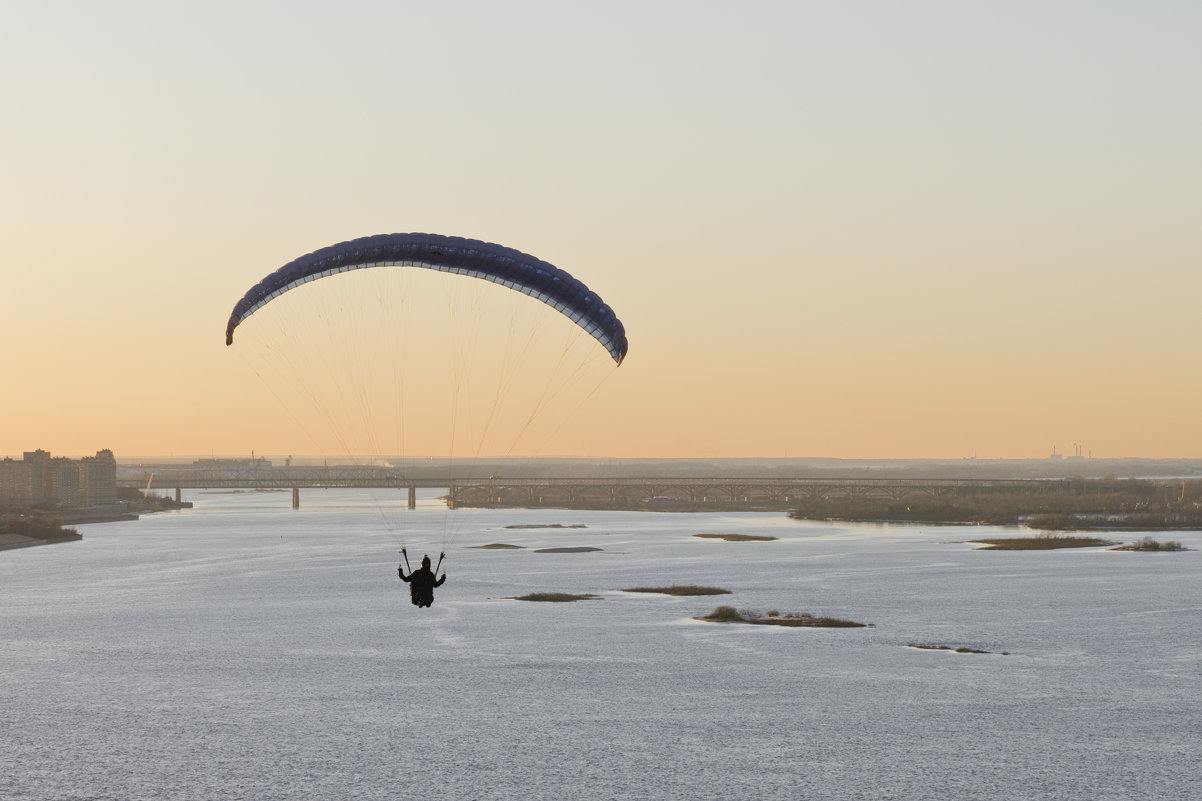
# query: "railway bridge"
{"type": "Point", "coordinates": [559, 491]}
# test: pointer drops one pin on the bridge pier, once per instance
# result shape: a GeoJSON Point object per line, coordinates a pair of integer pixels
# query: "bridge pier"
{"type": "Point", "coordinates": [296, 497]}
{"type": "Point", "coordinates": [178, 495]}
{"type": "Point", "coordinates": [412, 496]}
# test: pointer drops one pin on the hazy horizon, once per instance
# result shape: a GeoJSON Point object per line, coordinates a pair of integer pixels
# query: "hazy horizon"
{"type": "Point", "coordinates": [863, 231]}
{"type": "Point", "coordinates": [278, 459]}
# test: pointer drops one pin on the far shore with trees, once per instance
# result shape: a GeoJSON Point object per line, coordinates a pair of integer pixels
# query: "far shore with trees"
{"type": "Point", "coordinates": [1107, 505]}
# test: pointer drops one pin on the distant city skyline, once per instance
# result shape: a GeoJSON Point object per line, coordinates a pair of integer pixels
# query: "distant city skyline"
{"type": "Point", "coordinates": [931, 230]}
{"type": "Point", "coordinates": [58, 481]}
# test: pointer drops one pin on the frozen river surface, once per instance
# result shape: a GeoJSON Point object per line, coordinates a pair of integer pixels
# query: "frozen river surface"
{"type": "Point", "coordinates": [244, 650]}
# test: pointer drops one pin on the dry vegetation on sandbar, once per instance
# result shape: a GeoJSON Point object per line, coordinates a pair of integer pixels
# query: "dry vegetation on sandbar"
{"type": "Point", "coordinates": [1042, 542]}
{"type": "Point", "coordinates": [680, 589]}
{"type": "Point", "coordinates": [556, 597]}
{"type": "Point", "coordinates": [959, 649]}
{"type": "Point", "coordinates": [1149, 544]}
{"type": "Point", "coordinates": [728, 614]}
{"type": "Point", "coordinates": [735, 537]}
{"type": "Point", "coordinates": [568, 549]}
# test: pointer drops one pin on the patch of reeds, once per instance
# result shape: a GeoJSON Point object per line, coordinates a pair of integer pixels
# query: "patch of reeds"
{"type": "Point", "coordinates": [556, 597]}
{"type": "Point", "coordinates": [959, 649]}
{"type": "Point", "coordinates": [1149, 544]}
{"type": "Point", "coordinates": [736, 537]}
{"type": "Point", "coordinates": [724, 614]}
{"type": "Point", "coordinates": [1044, 541]}
{"type": "Point", "coordinates": [681, 589]}
{"type": "Point", "coordinates": [568, 549]}
{"type": "Point", "coordinates": [728, 614]}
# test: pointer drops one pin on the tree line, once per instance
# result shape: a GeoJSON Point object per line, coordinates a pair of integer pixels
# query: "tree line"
{"type": "Point", "coordinates": [36, 525]}
{"type": "Point", "coordinates": [1127, 503]}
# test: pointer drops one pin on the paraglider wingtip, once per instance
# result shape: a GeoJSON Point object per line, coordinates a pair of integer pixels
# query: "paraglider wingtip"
{"type": "Point", "coordinates": [229, 339]}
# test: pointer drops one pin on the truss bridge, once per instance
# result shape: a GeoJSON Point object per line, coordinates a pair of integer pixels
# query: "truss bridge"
{"type": "Point", "coordinates": [632, 492]}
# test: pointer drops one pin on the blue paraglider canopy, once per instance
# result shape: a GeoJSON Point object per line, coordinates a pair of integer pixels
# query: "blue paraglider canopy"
{"type": "Point", "coordinates": [451, 254]}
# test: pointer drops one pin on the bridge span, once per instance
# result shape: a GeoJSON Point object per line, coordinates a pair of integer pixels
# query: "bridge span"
{"type": "Point", "coordinates": [630, 492]}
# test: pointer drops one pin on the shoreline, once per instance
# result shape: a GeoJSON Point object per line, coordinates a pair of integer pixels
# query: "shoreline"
{"type": "Point", "coordinates": [1081, 524]}
{"type": "Point", "coordinates": [1085, 525]}
{"type": "Point", "coordinates": [96, 517]}
{"type": "Point", "coordinates": [10, 542]}
{"type": "Point", "coordinates": [29, 536]}
{"type": "Point", "coordinates": [664, 506]}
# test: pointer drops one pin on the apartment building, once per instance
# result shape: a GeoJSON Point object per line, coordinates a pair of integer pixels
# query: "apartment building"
{"type": "Point", "coordinates": [59, 482]}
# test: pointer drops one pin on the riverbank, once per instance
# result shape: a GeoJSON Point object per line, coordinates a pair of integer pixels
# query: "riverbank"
{"type": "Point", "coordinates": [657, 505]}
{"type": "Point", "coordinates": [86, 516]}
{"type": "Point", "coordinates": [1129, 504]}
{"type": "Point", "coordinates": [27, 528]}
{"type": "Point", "coordinates": [11, 541]}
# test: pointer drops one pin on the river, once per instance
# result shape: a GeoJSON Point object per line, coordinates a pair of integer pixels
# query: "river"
{"type": "Point", "coordinates": [241, 649]}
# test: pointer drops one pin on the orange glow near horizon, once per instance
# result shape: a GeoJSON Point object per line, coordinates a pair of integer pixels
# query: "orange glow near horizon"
{"type": "Point", "coordinates": [887, 235]}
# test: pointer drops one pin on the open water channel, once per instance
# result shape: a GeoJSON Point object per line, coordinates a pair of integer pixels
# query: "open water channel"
{"type": "Point", "coordinates": [241, 649]}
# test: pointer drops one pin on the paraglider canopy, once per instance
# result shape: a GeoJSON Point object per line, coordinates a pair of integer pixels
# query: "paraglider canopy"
{"type": "Point", "coordinates": [451, 254]}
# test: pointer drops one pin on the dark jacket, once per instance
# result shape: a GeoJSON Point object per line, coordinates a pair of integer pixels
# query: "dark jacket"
{"type": "Point", "coordinates": [421, 584]}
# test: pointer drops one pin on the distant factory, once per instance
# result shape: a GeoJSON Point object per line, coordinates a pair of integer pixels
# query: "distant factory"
{"type": "Point", "coordinates": [1078, 453]}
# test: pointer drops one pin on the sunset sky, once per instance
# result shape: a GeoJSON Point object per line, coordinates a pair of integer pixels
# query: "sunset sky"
{"type": "Point", "coordinates": [862, 230]}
